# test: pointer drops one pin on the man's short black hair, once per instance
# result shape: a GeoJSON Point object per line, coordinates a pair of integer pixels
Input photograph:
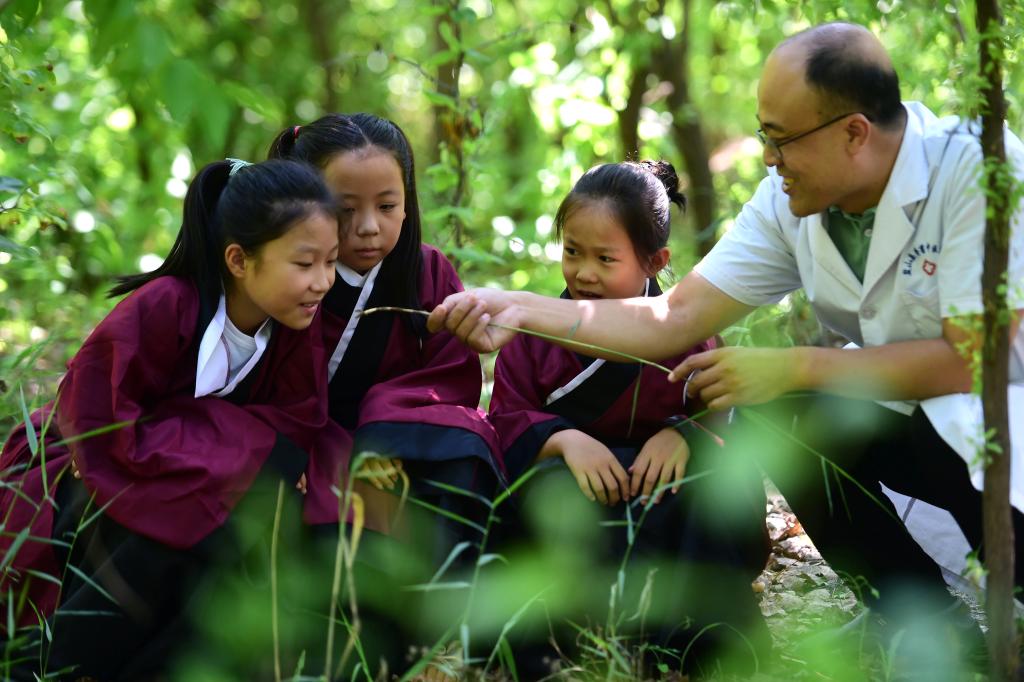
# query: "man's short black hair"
{"type": "Point", "coordinates": [848, 78]}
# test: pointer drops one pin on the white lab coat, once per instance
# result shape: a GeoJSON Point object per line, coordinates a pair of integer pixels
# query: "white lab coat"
{"type": "Point", "coordinates": [924, 263]}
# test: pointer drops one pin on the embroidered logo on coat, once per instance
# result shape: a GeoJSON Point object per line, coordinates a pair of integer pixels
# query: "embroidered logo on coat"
{"type": "Point", "coordinates": [918, 251]}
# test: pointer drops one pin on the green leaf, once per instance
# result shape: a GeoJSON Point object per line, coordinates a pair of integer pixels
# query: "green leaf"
{"type": "Point", "coordinates": [441, 100]}
{"type": "Point", "coordinates": [448, 35]}
{"type": "Point", "coordinates": [151, 45]}
{"type": "Point", "coordinates": [439, 58]}
{"type": "Point", "coordinates": [464, 14]}
{"type": "Point", "coordinates": [18, 15]}
{"type": "Point", "coordinates": [112, 20]}
{"type": "Point", "coordinates": [179, 85]}
{"type": "Point", "coordinates": [472, 254]}
{"type": "Point", "coordinates": [9, 185]}
{"type": "Point", "coordinates": [250, 98]}
{"type": "Point", "coordinates": [214, 115]}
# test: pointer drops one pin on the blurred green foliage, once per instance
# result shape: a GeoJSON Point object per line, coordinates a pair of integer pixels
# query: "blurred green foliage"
{"type": "Point", "coordinates": [107, 107]}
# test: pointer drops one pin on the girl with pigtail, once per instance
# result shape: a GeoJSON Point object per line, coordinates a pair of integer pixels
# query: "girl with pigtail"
{"type": "Point", "coordinates": [622, 434]}
{"type": "Point", "coordinates": [204, 378]}
{"type": "Point", "coordinates": [402, 393]}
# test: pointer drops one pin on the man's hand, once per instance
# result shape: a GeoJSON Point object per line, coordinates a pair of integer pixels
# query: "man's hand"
{"type": "Point", "coordinates": [468, 314]}
{"type": "Point", "coordinates": [662, 459]}
{"type": "Point", "coordinates": [727, 377]}
{"type": "Point", "coordinates": [598, 474]}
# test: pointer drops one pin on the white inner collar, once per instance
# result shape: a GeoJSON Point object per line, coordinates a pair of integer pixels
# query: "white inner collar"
{"type": "Point", "coordinates": [350, 276]}
{"type": "Point", "coordinates": [226, 354]}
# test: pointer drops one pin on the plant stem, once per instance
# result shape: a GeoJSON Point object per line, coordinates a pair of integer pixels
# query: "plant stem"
{"type": "Point", "coordinates": [273, 582]}
{"type": "Point", "coordinates": [547, 337]}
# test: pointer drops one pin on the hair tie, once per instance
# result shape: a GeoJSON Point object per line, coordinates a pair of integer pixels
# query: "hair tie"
{"type": "Point", "coordinates": [295, 133]}
{"type": "Point", "coordinates": [236, 164]}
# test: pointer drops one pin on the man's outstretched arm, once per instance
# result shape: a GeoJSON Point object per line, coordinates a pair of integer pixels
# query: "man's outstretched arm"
{"type": "Point", "coordinates": [652, 328]}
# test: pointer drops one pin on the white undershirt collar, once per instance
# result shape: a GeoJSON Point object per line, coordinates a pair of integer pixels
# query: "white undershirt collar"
{"type": "Point", "coordinates": [226, 354]}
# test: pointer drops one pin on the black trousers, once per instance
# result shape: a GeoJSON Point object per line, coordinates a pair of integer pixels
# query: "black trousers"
{"type": "Point", "coordinates": [707, 543]}
{"type": "Point", "coordinates": [848, 517]}
{"type": "Point", "coordinates": [128, 603]}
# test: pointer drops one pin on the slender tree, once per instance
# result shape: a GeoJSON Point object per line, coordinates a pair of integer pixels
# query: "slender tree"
{"type": "Point", "coordinates": [998, 527]}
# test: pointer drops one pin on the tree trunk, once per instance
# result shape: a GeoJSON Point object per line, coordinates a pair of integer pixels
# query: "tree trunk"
{"type": "Point", "coordinates": [449, 125]}
{"type": "Point", "coordinates": [998, 527]}
{"type": "Point", "coordinates": [687, 130]}
{"type": "Point", "coordinates": [319, 23]}
{"type": "Point", "coordinates": [629, 117]}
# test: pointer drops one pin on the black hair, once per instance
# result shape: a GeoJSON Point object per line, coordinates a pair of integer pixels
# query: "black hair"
{"type": "Point", "coordinates": [253, 206]}
{"type": "Point", "coordinates": [639, 192]}
{"type": "Point", "coordinates": [317, 143]}
{"type": "Point", "coordinates": [848, 79]}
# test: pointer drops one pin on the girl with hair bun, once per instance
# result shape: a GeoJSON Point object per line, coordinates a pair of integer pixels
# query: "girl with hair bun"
{"type": "Point", "coordinates": [203, 378]}
{"type": "Point", "coordinates": [617, 429]}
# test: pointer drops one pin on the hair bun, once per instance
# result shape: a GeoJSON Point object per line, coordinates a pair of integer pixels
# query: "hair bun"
{"type": "Point", "coordinates": [666, 173]}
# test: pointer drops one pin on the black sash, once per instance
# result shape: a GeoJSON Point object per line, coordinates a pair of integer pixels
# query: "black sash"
{"type": "Point", "coordinates": [595, 396]}
{"type": "Point", "coordinates": [358, 368]}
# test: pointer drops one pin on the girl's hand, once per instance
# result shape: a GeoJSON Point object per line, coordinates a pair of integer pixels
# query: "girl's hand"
{"type": "Point", "coordinates": [301, 485]}
{"type": "Point", "coordinates": [661, 460]}
{"type": "Point", "coordinates": [598, 474]}
{"type": "Point", "coordinates": [381, 472]}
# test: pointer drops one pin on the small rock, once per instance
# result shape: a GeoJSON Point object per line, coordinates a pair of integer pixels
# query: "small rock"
{"type": "Point", "coordinates": [790, 602]}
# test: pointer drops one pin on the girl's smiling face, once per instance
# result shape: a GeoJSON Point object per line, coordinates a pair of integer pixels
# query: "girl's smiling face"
{"type": "Point", "coordinates": [370, 190]}
{"type": "Point", "coordinates": [598, 258]}
{"type": "Point", "coordinates": [286, 278]}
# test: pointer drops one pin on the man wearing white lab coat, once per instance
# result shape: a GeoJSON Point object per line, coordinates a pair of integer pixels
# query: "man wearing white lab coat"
{"type": "Point", "coordinates": [873, 207]}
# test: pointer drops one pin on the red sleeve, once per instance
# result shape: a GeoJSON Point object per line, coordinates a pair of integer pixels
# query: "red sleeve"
{"type": "Point", "coordinates": [443, 385]}
{"type": "Point", "coordinates": [177, 468]}
{"type": "Point", "coordinates": [521, 379]}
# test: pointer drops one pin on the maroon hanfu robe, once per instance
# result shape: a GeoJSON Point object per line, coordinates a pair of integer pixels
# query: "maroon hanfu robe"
{"type": "Point", "coordinates": [404, 394]}
{"type": "Point", "coordinates": [541, 388]}
{"type": "Point", "coordinates": [176, 470]}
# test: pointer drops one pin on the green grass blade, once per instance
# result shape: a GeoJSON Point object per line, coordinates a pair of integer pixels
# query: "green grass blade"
{"type": "Point", "coordinates": [91, 583]}
{"type": "Point", "coordinates": [99, 431]}
{"type": "Point", "coordinates": [452, 556]}
{"type": "Point", "coordinates": [438, 587]}
{"type": "Point", "coordinates": [30, 430]}
{"type": "Point", "coordinates": [765, 422]}
{"type": "Point", "coordinates": [448, 515]}
{"type": "Point", "coordinates": [459, 491]}
{"type": "Point", "coordinates": [12, 551]}
{"type": "Point", "coordinates": [516, 485]}
{"type": "Point", "coordinates": [547, 337]}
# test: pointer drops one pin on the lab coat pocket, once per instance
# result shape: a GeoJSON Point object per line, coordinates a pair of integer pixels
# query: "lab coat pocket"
{"type": "Point", "coordinates": [922, 308]}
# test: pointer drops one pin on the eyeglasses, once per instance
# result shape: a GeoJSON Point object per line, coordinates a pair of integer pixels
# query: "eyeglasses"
{"type": "Point", "coordinates": [775, 146]}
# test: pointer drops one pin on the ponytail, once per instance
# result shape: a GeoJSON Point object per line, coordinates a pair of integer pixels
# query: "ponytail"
{"type": "Point", "coordinates": [196, 252]}
{"type": "Point", "coordinates": [230, 202]}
